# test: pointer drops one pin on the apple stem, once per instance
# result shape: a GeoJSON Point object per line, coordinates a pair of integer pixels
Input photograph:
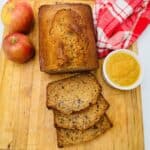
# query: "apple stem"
{"type": "Point", "coordinates": [13, 40]}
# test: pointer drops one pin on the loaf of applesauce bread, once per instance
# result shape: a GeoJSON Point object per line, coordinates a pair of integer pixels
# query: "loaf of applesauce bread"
{"type": "Point", "coordinates": [66, 38]}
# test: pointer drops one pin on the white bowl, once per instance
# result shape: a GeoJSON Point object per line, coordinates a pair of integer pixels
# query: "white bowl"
{"type": "Point", "coordinates": [134, 85]}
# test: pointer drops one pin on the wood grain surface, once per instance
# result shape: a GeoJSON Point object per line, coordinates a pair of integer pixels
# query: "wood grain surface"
{"type": "Point", "coordinates": [26, 123]}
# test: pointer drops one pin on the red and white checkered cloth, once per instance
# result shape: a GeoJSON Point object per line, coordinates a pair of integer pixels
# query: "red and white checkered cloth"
{"type": "Point", "coordinates": [119, 23]}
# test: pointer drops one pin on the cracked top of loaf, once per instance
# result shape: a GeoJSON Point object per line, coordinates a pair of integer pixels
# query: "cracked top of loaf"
{"type": "Point", "coordinates": [66, 38]}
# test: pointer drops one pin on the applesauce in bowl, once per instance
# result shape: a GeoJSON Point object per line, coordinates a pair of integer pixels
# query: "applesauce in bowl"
{"type": "Point", "coordinates": [122, 69]}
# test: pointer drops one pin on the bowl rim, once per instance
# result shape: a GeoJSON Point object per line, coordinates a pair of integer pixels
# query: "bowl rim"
{"type": "Point", "coordinates": [111, 83]}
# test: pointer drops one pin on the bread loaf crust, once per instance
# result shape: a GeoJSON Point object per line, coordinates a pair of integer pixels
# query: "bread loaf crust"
{"type": "Point", "coordinates": [66, 38]}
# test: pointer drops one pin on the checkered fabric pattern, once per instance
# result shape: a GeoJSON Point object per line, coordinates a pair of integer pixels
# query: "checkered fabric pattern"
{"type": "Point", "coordinates": [119, 23]}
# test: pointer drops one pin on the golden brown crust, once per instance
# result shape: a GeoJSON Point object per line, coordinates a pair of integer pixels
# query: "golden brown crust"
{"type": "Point", "coordinates": [61, 56]}
{"type": "Point", "coordinates": [72, 25]}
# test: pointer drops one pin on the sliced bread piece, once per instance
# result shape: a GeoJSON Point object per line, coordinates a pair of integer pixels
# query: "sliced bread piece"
{"type": "Point", "coordinates": [74, 93]}
{"type": "Point", "coordinates": [83, 119]}
{"type": "Point", "coordinates": [67, 137]}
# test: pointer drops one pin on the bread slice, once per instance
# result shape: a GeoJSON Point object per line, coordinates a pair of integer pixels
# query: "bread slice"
{"type": "Point", "coordinates": [66, 38]}
{"type": "Point", "coordinates": [83, 119]}
{"type": "Point", "coordinates": [67, 137]}
{"type": "Point", "coordinates": [73, 94]}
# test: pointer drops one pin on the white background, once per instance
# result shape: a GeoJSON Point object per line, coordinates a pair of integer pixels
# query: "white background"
{"type": "Point", "coordinates": [144, 53]}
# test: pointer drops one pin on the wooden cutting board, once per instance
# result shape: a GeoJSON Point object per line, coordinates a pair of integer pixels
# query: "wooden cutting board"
{"type": "Point", "coordinates": [26, 123]}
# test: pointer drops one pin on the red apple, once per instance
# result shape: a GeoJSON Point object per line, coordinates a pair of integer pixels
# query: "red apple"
{"type": "Point", "coordinates": [17, 17]}
{"type": "Point", "coordinates": [18, 48]}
